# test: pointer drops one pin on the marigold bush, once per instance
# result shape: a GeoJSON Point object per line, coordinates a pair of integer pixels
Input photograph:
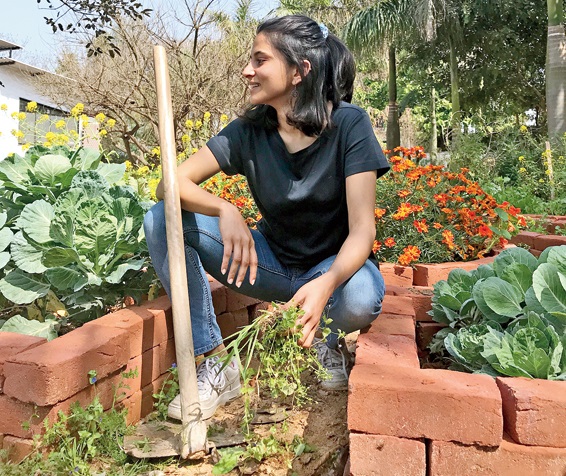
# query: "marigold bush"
{"type": "Point", "coordinates": [427, 214]}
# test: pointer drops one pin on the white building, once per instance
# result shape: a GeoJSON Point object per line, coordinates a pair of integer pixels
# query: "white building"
{"type": "Point", "coordinates": [17, 89]}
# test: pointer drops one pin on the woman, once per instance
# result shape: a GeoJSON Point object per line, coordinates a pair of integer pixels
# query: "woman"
{"type": "Point", "coordinates": [311, 162]}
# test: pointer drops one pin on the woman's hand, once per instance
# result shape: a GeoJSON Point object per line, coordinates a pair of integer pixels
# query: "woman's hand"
{"type": "Point", "coordinates": [239, 247]}
{"type": "Point", "coordinates": [312, 299]}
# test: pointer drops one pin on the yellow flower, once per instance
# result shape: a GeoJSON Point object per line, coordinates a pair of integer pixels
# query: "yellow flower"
{"type": "Point", "coordinates": [522, 170]}
{"type": "Point", "coordinates": [31, 106]}
{"type": "Point", "coordinates": [181, 157]}
{"type": "Point", "coordinates": [43, 118]}
{"type": "Point", "coordinates": [152, 185]}
{"type": "Point", "coordinates": [103, 132]}
{"type": "Point", "coordinates": [143, 170]}
{"type": "Point", "coordinates": [524, 129]}
{"type": "Point", "coordinates": [206, 116]}
{"type": "Point", "coordinates": [522, 158]}
{"type": "Point", "coordinates": [223, 118]}
{"type": "Point", "coordinates": [17, 133]}
{"type": "Point", "coordinates": [49, 136]}
{"type": "Point", "coordinates": [100, 117]}
{"type": "Point", "coordinates": [156, 151]}
{"type": "Point", "coordinates": [128, 165]}
{"type": "Point", "coordinates": [60, 124]}
{"type": "Point", "coordinates": [11, 154]}
{"type": "Point", "coordinates": [111, 123]}
{"type": "Point", "coordinates": [194, 150]}
{"type": "Point", "coordinates": [547, 172]}
{"type": "Point", "coordinates": [4, 107]}
{"type": "Point", "coordinates": [21, 116]}
{"type": "Point", "coordinates": [185, 138]}
{"type": "Point", "coordinates": [74, 134]}
{"type": "Point", "coordinates": [77, 110]}
{"type": "Point", "coordinates": [26, 146]}
{"type": "Point", "coordinates": [84, 120]}
{"type": "Point", "coordinates": [541, 180]}
{"type": "Point", "coordinates": [189, 124]}
{"type": "Point", "coordinates": [198, 125]}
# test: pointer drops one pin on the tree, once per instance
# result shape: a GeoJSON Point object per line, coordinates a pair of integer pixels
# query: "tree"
{"type": "Point", "coordinates": [556, 70]}
{"type": "Point", "coordinates": [93, 15]}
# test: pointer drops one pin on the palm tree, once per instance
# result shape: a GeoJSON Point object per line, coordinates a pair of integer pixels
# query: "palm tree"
{"type": "Point", "coordinates": [556, 70]}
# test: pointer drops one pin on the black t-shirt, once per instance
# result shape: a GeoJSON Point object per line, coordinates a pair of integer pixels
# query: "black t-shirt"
{"type": "Point", "coordinates": [301, 196]}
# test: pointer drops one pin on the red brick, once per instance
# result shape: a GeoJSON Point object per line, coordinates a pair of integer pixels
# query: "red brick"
{"type": "Point", "coordinates": [393, 324]}
{"type": "Point", "coordinates": [422, 303]}
{"type": "Point", "coordinates": [218, 291]}
{"type": "Point", "coordinates": [227, 324]}
{"type": "Point", "coordinates": [148, 365]}
{"type": "Point", "coordinates": [429, 274]}
{"type": "Point", "coordinates": [535, 253]}
{"type": "Point", "coordinates": [236, 301]}
{"type": "Point", "coordinates": [132, 320]}
{"type": "Point", "coordinates": [133, 405]}
{"type": "Point", "coordinates": [58, 369]}
{"type": "Point", "coordinates": [159, 327]}
{"type": "Point", "coordinates": [398, 350]}
{"type": "Point", "coordinates": [434, 404]}
{"type": "Point", "coordinates": [425, 332]}
{"type": "Point", "coordinates": [542, 242]}
{"type": "Point", "coordinates": [510, 459]}
{"type": "Point", "coordinates": [167, 355]}
{"type": "Point", "coordinates": [525, 237]}
{"type": "Point", "coordinates": [15, 414]}
{"type": "Point", "coordinates": [147, 393]}
{"type": "Point", "coordinates": [257, 310]}
{"type": "Point", "coordinates": [12, 344]}
{"type": "Point", "coordinates": [534, 411]}
{"type": "Point", "coordinates": [396, 275]}
{"type": "Point", "coordinates": [382, 455]}
{"type": "Point", "coordinates": [17, 448]}
{"type": "Point", "coordinates": [402, 305]}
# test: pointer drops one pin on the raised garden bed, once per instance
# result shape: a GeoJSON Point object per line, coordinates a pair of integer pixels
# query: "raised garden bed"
{"type": "Point", "coordinates": [40, 378]}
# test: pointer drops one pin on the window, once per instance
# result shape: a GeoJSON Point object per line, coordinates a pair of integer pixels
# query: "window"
{"type": "Point", "coordinates": [43, 120]}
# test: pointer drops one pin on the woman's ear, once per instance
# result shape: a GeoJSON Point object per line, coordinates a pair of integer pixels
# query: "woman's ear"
{"type": "Point", "coordinates": [297, 78]}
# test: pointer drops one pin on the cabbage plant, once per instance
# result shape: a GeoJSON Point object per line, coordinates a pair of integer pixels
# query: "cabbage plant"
{"type": "Point", "coordinates": [508, 318]}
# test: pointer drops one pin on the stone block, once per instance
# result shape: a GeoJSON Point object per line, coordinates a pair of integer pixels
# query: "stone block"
{"type": "Point", "coordinates": [534, 411]}
{"type": "Point", "coordinates": [382, 455]}
{"type": "Point", "coordinates": [17, 448]}
{"type": "Point", "coordinates": [397, 275]}
{"type": "Point", "coordinates": [401, 305]}
{"type": "Point", "coordinates": [396, 350]}
{"type": "Point", "coordinates": [434, 404]}
{"type": "Point", "coordinates": [542, 242]}
{"type": "Point", "coordinates": [159, 327]}
{"type": "Point", "coordinates": [429, 274]}
{"type": "Point", "coordinates": [393, 324]}
{"type": "Point", "coordinates": [425, 332]}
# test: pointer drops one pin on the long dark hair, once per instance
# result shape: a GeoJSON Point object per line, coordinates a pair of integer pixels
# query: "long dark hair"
{"type": "Point", "coordinates": [331, 77]}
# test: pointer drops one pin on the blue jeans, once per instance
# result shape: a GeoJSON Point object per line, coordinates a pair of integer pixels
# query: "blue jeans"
{"type": "Point", "coordinates": [354, 304]}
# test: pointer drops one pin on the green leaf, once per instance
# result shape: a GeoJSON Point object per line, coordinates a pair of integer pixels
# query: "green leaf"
{"type": "Point", "coordinates": [557, 257]}
{"type": "Point", "coordinates": [90, 182]}
{"type": "Point", "coordinates": [514, 255]}
{"type": "Point", "coordinates": [229, 459]}
{"type": "Point", "coordinates": [66, 278]}
{"type": "Point", "coordinates": [50, 168]}
{"type": "Point", "coordinates": [35, 221]}
{"type": "Point", "coordinates": [58, 256]}
{"type": "Point", "coordinates": [532, 302]}
{"type": "Point", "coordinates": [485, 309]}
{"type": "Point", "coordinates": [449, 301]}
{"type": "Point", "coordinates": [21, 325]}
{"type": "Point", "coordinates": [502, 298]}
{"type": "Point", "coordinates": [4, 259]}
{"type": "Point", "coordinates": [3, 218]}
{"type": "Point", "coordinates": [117, 275]}
{"type": "Point", "coordinates": [87, 159]}
{"type": "Point", "coordinates": [519, 275]}
{"type": "Point", "coordinates": [502, 214]}
{"type": "Point", "coordinates": [6, 236]}
{"type": "Point", "coordinates": [112, 172]}
{"type": "Point", "coordinates": [462, 279]}
{"type": "Point", "coordinates": [548, 288]}
{"type": "Point", "coordinates": [26, 255]}
{"type": "Point", "coordinates": [483, 271]}
{"type": "Point", "coordinates": [15, 171]}
{"type": "Point", "coordinates": [22, 288]}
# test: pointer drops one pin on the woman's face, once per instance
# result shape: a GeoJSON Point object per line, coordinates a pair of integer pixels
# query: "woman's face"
{"type": "Point", "coordinates": [270, 79]}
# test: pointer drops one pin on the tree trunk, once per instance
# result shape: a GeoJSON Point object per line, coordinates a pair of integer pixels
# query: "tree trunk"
{"type": "Point", "coordinates": [393, 133]}
{"type": "Point", "coordinates": [434, 129]}
{"type": "Point", "coordinates": [456, 122]}
{"type": "Point", "coordinates": [556, 71]}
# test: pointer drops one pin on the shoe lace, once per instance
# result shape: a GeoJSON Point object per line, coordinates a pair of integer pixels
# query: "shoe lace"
{"type": "Point", "coordinates": [209, 375]}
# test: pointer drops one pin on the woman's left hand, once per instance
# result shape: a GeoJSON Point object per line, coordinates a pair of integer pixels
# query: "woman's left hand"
{"type": "Point", "coordinates": [311, 298]}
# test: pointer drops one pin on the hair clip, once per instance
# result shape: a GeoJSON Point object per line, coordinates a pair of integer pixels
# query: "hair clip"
{"type": "Point", "coordinates": [324, 30]}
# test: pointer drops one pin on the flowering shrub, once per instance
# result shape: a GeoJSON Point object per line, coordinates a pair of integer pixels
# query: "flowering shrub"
{"type": "Point", "coordinates": [427, 214]}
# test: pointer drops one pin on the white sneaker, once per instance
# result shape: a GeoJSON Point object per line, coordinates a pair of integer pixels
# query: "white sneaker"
{"type": "Point", "coordinates": [216, 386]}
{"type": "Point", "coordinates": [337, 362]}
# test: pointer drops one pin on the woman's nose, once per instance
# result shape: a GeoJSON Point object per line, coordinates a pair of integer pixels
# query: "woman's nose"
{"type": "Point", "coordinates": [248, 71]}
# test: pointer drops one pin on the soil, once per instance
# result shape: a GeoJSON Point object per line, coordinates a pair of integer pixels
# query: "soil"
{"type": "Point", "coordinates": [322, 425]}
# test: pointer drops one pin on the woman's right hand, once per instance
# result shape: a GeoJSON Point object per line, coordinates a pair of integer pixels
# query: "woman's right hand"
{"type": "Point", "coordinates": [239, 247]}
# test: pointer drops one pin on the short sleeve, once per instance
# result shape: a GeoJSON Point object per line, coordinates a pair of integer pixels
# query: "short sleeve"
{"type": "Point", "coordinates": [226, 147]}
{"type": "Point", "coordinates": [363, 152]}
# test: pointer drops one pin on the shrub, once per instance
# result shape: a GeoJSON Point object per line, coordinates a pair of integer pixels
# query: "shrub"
{"type": "Point", "coordinates": [427, 214]}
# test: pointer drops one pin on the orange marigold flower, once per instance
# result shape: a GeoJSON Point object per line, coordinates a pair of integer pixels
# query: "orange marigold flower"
{"type": "Point", "coordinates": [410, 253]}
{"type": "Point", "coordinates": [441, 199]}
{"type": "Point", "coordinates": [513, 211]}
{"type": "Point", "coordinates": [403, 193]}
{"type": "Point", "coordinates": [403, 211]}
{"type": "Point", "coordinates": [502, 242]}
{"type": "Point", "coordinates": [376, 246]}
{"type": "Point", "coordinates": [421, 226]}
{"type": "Point", "coordinates": [521, 220]}
{"type": "Point", "coordinates": [416, 208]}
{"type": "Point", "coordinates": [379, 212]}
{"type": "Point", "coordinates": [446, 210]}
{"type": "Point", "coordinates": [448, 239]}
{"type": "Point", "coordinates": [484, 230]}
{"type": "Point", "coordinates": [389, 242]}
{"type": "Point", "coordinates": [437, 225]}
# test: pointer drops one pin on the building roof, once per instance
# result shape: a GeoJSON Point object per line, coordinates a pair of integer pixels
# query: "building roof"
{"type": "Point", "coordinates": [7, 45]}
{"type": "Point", "coordinates": [21, 66]}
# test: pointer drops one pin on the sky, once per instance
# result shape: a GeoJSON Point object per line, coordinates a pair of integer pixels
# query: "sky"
{"type": "Point", "coordinates": [22, 22]}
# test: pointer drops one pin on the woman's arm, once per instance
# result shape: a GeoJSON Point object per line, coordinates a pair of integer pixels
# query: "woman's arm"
{"type": "Point", "coordinates": [239, 249]}
{"type": "Point", "coordinates": [313, 296]}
